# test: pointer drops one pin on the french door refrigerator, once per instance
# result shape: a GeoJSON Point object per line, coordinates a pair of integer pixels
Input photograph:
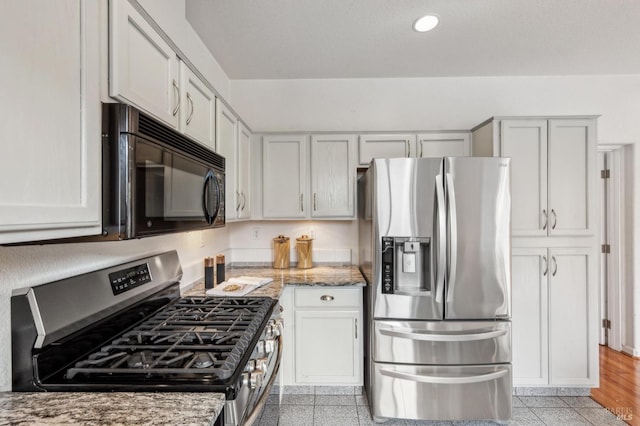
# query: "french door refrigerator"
{"type": "Point", "coordinates": [435, 250]}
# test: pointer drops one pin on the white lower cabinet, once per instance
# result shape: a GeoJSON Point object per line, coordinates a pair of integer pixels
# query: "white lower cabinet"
{"type": "Point", "coordinates": [554, 317]}
{"type": "Point", "coordinates": [323, 336]}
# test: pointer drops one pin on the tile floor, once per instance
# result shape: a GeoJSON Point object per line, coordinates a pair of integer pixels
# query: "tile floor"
{"type": "Point", "coordinates": [346, 410]}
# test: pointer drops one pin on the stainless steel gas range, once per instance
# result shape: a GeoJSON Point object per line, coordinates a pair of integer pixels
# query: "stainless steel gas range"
{"type": "Point", "coordinates": [126, 328]}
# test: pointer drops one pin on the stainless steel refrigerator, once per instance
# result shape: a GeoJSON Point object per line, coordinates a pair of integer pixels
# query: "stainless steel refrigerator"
{"type": "Point", "coordinates": [435, 249]}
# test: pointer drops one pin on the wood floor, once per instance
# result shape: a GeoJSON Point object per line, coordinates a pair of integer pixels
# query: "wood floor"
{"type": "Point", "coordinates": [619, 389]}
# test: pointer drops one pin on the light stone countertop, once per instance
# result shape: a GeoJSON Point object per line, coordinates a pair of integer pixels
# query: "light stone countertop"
{"type": "Point", "coordinates": [110, 408]}
{"type": "Point", "coordinates": [316, 276]}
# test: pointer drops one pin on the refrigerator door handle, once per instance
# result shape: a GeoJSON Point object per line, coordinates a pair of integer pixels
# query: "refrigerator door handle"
{"type": "Point", "coordinates": [453, 237]}
{"type": "Point", "coordinates": [445, 380]}
{"type": "Point", "coordinates": [445, 337]}
{"type": "Point", "coordinates": [440, 239]}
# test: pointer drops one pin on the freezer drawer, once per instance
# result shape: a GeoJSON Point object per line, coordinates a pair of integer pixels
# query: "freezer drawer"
{"type": "Point", "coordinates": [470, 392]}
{"type": "Point", "coordinates": [442, 342]}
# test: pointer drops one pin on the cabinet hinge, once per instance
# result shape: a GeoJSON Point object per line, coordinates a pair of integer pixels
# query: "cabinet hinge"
{"type": "Point", "coordinates": [605, 174]}
{"type": "Point", "coordinates": [605, 248]}
{"type": "Point", "coordinates": [606, 323]}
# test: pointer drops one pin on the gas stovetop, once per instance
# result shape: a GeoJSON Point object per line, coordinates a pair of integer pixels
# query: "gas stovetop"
{"type": "Point", "coordinates": [193, 338]}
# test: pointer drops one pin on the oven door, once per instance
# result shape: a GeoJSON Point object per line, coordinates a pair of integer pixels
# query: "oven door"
{"type": "Point", "coordinates": [174, 192]}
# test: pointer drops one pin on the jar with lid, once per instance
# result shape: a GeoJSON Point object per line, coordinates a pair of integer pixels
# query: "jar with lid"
{"type": "Point", "coordinates": [303, 247]}
{"type": "Point", "coordinates": [281, 252]}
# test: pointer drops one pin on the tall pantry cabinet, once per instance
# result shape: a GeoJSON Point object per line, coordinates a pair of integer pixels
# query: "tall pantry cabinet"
{"type": "Point", "coordinates": [554, 238]}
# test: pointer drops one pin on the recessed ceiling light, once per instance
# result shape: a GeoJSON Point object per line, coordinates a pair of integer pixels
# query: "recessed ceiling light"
{"type": "Point", "coordinates": [426, 23]}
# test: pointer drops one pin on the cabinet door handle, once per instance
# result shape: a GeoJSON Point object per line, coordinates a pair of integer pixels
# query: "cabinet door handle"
{"type": "Point", "coordinates": [238, 201]}
{"type": "Point", "coordinates": [555, 266]}
{"type": "Point", "coordinates": [302, 202]}
{"type": "Point", "coordinates": [326, 298]}
{"type": "Point", "coordinates": [420, 156]}
{"type": "Point", "coordinates": [315, 201]}
{"type": "Point", "coordinates": [244, 200]}
{"type": "Point", "coordinates": [192, 108]}
{"type": "Point", "coordinates": [546, 266]}
{"type": "Point", "coordinates": [177, 92]}
{"type": "Point", "coordinates": [546, 219]}
{"type": "Point", "coordinates": [407, 150]}
{"type": "Point", "coordinates": [356, 327]}
{"type": "Point", "coordinates": [555, 219]}
{"type": "Point", "coordinates": [409, 145]}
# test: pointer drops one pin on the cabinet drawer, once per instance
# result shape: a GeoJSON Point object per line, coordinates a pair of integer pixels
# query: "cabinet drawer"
{"type": "Point", "coordinates": [327, 297]}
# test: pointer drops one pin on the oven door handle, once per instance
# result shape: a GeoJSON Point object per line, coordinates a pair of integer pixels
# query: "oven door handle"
{"type": "Point", "coordinates": [262, 401]}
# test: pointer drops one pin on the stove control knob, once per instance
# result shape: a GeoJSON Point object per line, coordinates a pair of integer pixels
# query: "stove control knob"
{"type": "Point", "coordinates": [246, 381]}
{"type": "Point", "coordinates": [261, 364]}
{"type": "Point", "coordinates": [270, 345]}
{"type": "Point", "coordinates": [251, 365]}
{"type": "Point", "coordinates": [256, 378]}
{"type": "Point", "coordinates": [268, 331]}
{"type": "Point", "coordinates": [260, 346]}
{"type": "Point", "coordinates": [278, 327]}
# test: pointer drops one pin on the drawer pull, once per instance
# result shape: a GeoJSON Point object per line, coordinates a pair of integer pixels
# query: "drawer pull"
{"type": "Point", "coordinates": [327, 298]}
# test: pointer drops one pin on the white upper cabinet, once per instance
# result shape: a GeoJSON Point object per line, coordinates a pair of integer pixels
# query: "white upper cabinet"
{"type": "Point", "coordinates": [226, 139]}
{"type": "Point", "coordinates": [572, 177]}
{"type": "Point", "coordinates": [289, 194]}
{"type": "Point", "coordinates": [553, 172]}
{"type": "Point", "coordinates": [284, 171]}
{"type": "Point", "coordinates": [198, 108]}
{"type": "Point", "coordinates": [410, 145]}
{"type": "Point", "coordinates": [333, 176]}
{"type": "Point", "coordinates": [385, 146]}
{"type": "Point", "coordinates": [443, 145]}
{"type": "Point", "coordinates": [525, 142]}
{"type": "Point", "coordinates": [143, 67]}
{"type": "Point", "coordinates": [244, 172]}
{"type": "Point", "coordinates": [50, 182]}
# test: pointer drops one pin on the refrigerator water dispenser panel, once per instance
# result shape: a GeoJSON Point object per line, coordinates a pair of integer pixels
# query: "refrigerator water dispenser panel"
{"type": "Point", "coordinates": [406, 265]}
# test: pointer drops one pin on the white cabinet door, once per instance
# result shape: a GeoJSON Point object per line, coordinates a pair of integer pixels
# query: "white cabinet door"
{"type": "Point", "coordinates": [327, 349]}
{"type": "Point", "coordinates": [143, 67]}
{"type": "Point", "coordinates": [571, 175]}
{"type": "Point", "coordinates": [50, 182]}
{"type": "Point", "coordinates": [198, 104]}
{"type": "Point", "coordinates": [525, 142]}
{"type": "Point", "coordinates": [332, 176]}
{"type": "Point", "coordinates": [226, 140]}
{"type": "Point", "coordinates": [244, 171]}
{"type": "Point", "coordinates": [573, 328]}
{"type": "Point", "coordinates": [530, 268]}
{"type": "Point", "coordinates": [443, 145]}
{"type": "Point", "coordinates": [385, 146]}
{"type": "Point", "coordinates": [284, 168]}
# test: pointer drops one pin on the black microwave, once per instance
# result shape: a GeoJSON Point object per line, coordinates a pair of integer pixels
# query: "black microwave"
{"type": "Point", "coordinates": [156, 180]}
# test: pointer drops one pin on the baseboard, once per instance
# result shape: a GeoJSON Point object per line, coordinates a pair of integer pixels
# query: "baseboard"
{"type": "Point", "coordinates": [551, 391]}
{"type": "Point", "coordinates": [631, 351]}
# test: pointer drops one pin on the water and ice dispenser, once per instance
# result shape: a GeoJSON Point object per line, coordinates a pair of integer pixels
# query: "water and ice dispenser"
{"type": "Point", "coordinates": [406, 265]}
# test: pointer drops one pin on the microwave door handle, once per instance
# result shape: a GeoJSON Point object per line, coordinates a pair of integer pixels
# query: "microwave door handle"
{"type": "Point", "coordinates": [205, 198]}
{"type": "Point", "coordinates": [218, 196]}
{"type": "Point", "coordinates": [440, 233]}
{"type": "Point", "coordinates": [452, 237]}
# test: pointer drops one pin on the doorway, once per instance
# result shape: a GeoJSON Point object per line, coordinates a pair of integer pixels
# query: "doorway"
{"type": "Point", "coordinates": [612, 208]}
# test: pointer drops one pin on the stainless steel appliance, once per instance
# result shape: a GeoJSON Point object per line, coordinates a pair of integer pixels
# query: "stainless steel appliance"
{"type": "Point", "coordinates": [435, 251]}
{"type": "Point", "coordinates": [156, 180]}
{"type": "Point", "coordinates": [126, 328]}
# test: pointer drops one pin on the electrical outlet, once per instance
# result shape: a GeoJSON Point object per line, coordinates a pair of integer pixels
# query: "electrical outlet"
{"type": "Point", "coordinates": [255, 232]}
{"type": "Point", "coordinates": [201, 239]}
{"type": "Point", "coordinates": [312, 233]}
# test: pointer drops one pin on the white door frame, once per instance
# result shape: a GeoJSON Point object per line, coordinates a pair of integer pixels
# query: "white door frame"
{"type": "Point", "coordinates": [612, 209]}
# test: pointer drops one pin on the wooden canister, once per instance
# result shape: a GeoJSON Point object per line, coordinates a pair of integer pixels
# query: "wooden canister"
{"type": "Point", "coordinates": [303, 247]}
{"type": "Point", "coordinates": [281, 252]}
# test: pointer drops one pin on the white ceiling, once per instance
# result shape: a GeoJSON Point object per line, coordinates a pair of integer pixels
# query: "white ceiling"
{"type": "Point", "coordinates": [285, 39]}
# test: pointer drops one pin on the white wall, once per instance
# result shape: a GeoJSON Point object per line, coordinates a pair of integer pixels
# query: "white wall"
{"type": "Point", "coordinates": [435, 103]}
{"type": "Point", "coordinates": [27, 266]}
{"type": "Point", "coordinates": [334, 241]}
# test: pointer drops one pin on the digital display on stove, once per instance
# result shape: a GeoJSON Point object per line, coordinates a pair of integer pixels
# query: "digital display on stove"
{"type": "Point", "coordinates": [130, 278]}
